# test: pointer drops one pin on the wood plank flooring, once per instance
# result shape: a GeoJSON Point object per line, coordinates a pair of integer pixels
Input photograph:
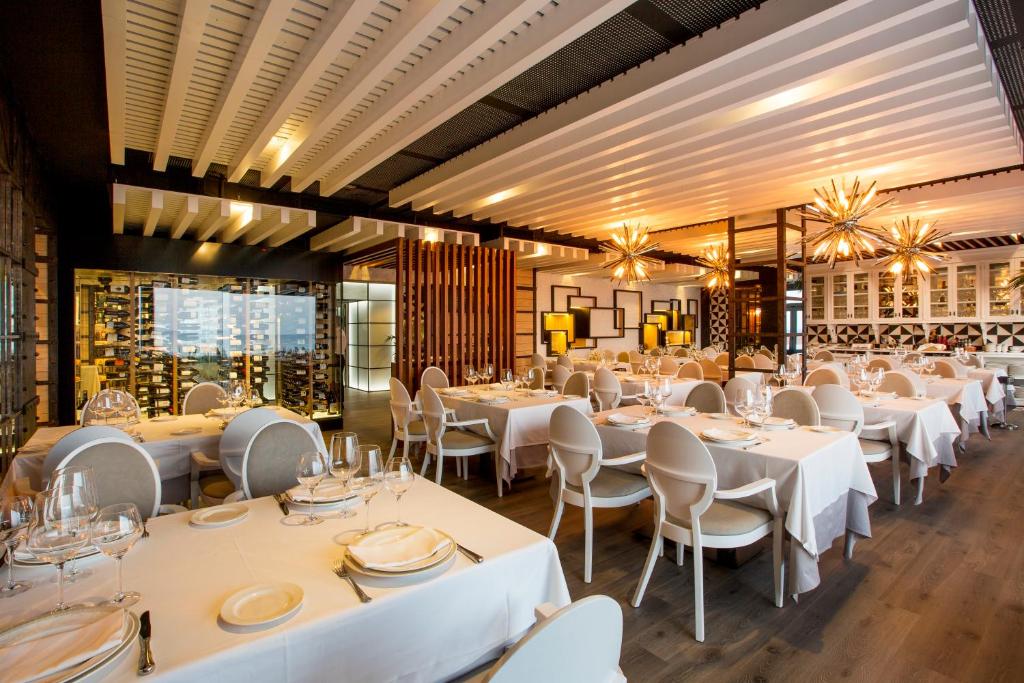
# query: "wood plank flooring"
{"type": "Point", "coordinates": [936, 595]}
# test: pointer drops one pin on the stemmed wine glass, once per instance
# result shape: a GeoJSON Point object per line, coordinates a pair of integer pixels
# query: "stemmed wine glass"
{"type": "Point", "coordinates": [875, 378]}
{"type": "Point", "coordinates": [528, 378]}
{"type": "Point", "coordinates": [310, 471]}
{"type": "Point", "coordinates": [470, 374]}
{"type": "Point", "coordinates": [745, 405]}
{"type": "Point", "coordinates": [236, 393]}
{"type": "Point", "coordinates": [399, 477]}
{"type": "Point", "coordinates": [507, 380]}
{"type": "Point", "coordinates": [115, 531]}
{"type": "Point", "coordinates": [344, 460]}
{"type": "Point", "coordinates": [643, 396]}
{"type": "Point", "coordinates": [80, 482]}
{"type": "Point", "coordinates": [371, 478]}
{"type": "Point", "coordinates": [488, 373]}
{"type": "Point", "coordinates": [15, 516]}
{"type": "Point", "coordinates": [60, 528]}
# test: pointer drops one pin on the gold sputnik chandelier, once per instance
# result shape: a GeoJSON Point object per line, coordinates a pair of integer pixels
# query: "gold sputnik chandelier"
{"type": "Point", "coordinates": [716, 260]}
{"type": "Point", "coordinates": [629, 246]}
{"type": "Point", "coordinates": [909, 244]}
{"type": "Point", "coordinates": [843, 208]}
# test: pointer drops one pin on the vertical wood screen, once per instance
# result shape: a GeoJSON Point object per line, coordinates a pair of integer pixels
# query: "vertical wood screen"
{"type": "Point", "coordinates": [455, 307]}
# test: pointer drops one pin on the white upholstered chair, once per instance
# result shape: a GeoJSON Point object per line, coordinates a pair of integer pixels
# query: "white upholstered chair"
{"type": "Point", "coordinates": [584, 478]}
{"type": "Point", "coordinates": [668, 365]}
{"type": "Point", "coordinates": [881, 362]}
{"type": "Point", "coordinates": [898, 383]}
{"type": "Point", "coordinates": [796, 405]}
{"type": "Point", "coordinates": [578, 384]}
{"type": "Point", "coordinates": [565, 362]}
{"type": "Point", "coordinates": [707, 397]}
{"type": "Point", "coordinates": [682, 352]}
{"type": "Point", "coordinates": [722, 359]}
{"type": "Point", "coordinates": [744, 362]}
{"type": "Point", "coordinates": [202, 398]}
{"type": "Point", "coordinates": [434, 377]}
{"type": "Point", "coordinates": [825, 356]}
{"type": "Point", "coordinates": [691, 369]}
{"type": "Point", "coordinates": [690, 510]}
{"type": "Point", "coordinates": [537, 359]}
{"type": "Point", "coordinates": [950, 369]}
{"type": "Point", "coordinates": [71, 442]}
{"type": "Point", "coordinates": [607, 389]}
{"type": "Point", "coordinates": [763, 362]}
{"type": "Point", "coordinates": [826, 374]}
{"type": "Point", "coordinates": [559, 376]}
{"type": "Point", "coordinates": [712, 371]}
{"type": "Point", "coordinates": [735, 389]}
{"type": "Point", "coordinates": [406, 421]}
{"type": "Point", "coordinates": [539, 377]}
{"type": "Point", "coordinates": [455, 438]}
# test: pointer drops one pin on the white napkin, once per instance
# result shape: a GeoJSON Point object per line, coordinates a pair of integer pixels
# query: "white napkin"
{"type": "Point", "coordinates": [728, 435]}
{"type": "Point", "coordinates": [491, 397]}
{"type": "Point", "coordinates": [36, 657]}
{"type": "Point", "coordinates": [328, 491]}
{"type": "Point", "coordinates": [543, 392]}
{"type": "Point", "coordinates": [630, 420]}
{"type": "Point", "coordinates": [397, 546]}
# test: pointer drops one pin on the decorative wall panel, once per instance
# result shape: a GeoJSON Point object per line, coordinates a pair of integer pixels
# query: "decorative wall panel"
{"type": "Point", "coordinates": [902, 334]}
{"type": "Point", "coordinates": [719, 318]}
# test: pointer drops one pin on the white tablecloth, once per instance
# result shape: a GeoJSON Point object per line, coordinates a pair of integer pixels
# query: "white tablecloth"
{"type": "Point", "coordinates": [429, 631]}
{"type": "Point", "coordinates": [925, 427]}
{"type": "Point", "coordinates": [966, 393]}
{"type": "Point", "coordinates": [633, 385]}
{"type": "Point", "coordinates": [822, 481]}
{"type": "Point", "coordinates": [520, 423]}
{"type": "Point", "coordinates": [171, 452]}
{"type": "Point", "coordinates": [993, 388]}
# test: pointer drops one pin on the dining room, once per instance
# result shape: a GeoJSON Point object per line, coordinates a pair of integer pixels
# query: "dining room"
{"type": "Point", "coordinates": [511, 340]}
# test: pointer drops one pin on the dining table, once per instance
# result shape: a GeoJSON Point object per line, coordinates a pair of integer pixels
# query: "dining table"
{"type": "Point", "coordinates": [822, 480]}
{"type": "Point", "coordinates": [430, 626]}
{"type": "Point", "coordinates": [170, 440]}
{"type": "Point", "coordinates": [518, 418]}
{"type": "Point", "coordinates": [966, 393]}
{"type": "Point", "coordinates": [633, 385]}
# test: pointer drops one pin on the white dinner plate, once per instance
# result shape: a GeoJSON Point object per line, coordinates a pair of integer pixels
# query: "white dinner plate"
{"type": "Point", "coordinates": [55, 621]}
{"type": "Point", "coordinates": [775, 423]}
{"type": "Point", "coordinates": [164, 418]}
{"type": "Point", "coordinates": [24, 558]}
{"type": "Point", "coordinates": [729, 436]}
{"type": "Point", "coordinates": [262, 603]}
{"type": "Point", "coordinates": [427, 563]}
{"type": "Point", "coordinates": [186, 431]}
{"type": "Point", "coordinates": [328, 492]}
{"type": "Point", "coordinates": [623, 420]}
{"type": "Point", "coordinates": [677, 411]}
{"type": "Point", "coordinates": [721, 416]}
{"type": "Point", "coordinates": [219, 515]}
{"type": "Point", "coordinates": [823, 429]}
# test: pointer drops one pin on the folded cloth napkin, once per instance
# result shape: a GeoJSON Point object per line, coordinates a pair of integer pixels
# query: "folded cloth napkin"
{"type": "Point", "coordinates": [491, 397]}
{"type": "Point", "coordinates": [543, 392]}
{"type": "Point", "coordinates": [397, 546]}
{"type": "Point", "coordinates": [329, 491]}
{"type": "Point", "coordinates": [83, 634]}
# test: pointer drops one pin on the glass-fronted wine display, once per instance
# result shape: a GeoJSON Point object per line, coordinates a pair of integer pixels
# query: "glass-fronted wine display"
{"type": "Point", "coordinates": [158, 335]}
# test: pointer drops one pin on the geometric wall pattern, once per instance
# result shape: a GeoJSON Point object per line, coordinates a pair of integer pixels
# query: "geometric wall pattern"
{"type": "Point", "coordinates": [970, 332]}
{"type": "Point", "coordinates": [818, 335]}
{"type": "Point", "coordinates": [854, 334]}
{"type": "Point", "coordinates": [1000, 333]}
{"type": "Point", "coordinates": [901, 334]}
{"type": "Point", "coordinates": [719, 318]}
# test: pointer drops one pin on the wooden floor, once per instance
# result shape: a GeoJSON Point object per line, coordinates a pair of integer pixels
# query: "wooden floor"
{"type": "Point", "coordinates": [936, 595]}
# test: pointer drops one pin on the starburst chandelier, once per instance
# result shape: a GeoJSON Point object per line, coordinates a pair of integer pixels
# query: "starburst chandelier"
{"type": "Point", "coordinates": [629, 246]}
{"type": "Point", "coordinates": [909, 244]}
{"type": "Point", "coordinates": [716, 260]}
{"type": "Point", "coordinates": [843, 208]}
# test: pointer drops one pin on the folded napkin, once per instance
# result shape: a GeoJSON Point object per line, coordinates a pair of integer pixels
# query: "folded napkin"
{"type": "Point", "coordinates": [543, 392]}
{"type": "Point", "coordinates": [83, 634]}
{"type": "Point", "coordinates": [628, 420]}
{"type": "Point", "coordinates": [329, 491]}
{"type": "Point", "coordinates": [491, 397]}
{"type": "Point", "coordinates": [454, 391]}
{"type": "Point", "coordinates": [397, 546]}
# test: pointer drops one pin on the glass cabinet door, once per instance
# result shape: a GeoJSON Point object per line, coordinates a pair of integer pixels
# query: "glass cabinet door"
{"type": "Point", "coordinates": [839, 297]}
{"type": "Point", "coordinates": [817, 298]}
{"type": "Point", "coordinates": [938, 292]}
{"type": "Point", "coordinates": [967, 291]}
{"type": "Point", "coordinates": [861, 296]}
{"type": "Point", "coordinates": [1000, 297]}
{"type": "Point", "coordinates": [910, 296]}
{"type": "Point", "coordinates": [886, 295]}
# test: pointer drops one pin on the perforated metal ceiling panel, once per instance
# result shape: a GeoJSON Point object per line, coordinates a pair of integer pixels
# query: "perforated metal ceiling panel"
{"type": "Point", "coordinates": [1003, 21]}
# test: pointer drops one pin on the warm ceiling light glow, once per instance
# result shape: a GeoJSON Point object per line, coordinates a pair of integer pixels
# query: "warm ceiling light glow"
{"type": "Point", "coordinates": [629, 246]}
{"type": "Point", "coordinates": [843, 208]}
{"type": "Point", "coordinates": [499, 197]}
{"type": "Point", "coordinates": [716, 260]}
{"type": "Point", "coordinates": [431, 235]}
{"type": "Point", "coordinates": [244, 209]}
{"type": "Point", "coordinates": [909, 243]}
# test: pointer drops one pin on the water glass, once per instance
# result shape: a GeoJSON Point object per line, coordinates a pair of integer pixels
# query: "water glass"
{"type": "Point", "coordinates": [115, 531]}
{"type": "Point", "coordinates": [370, 479]}
{"type": "Point", "coordinates": [309, 472]}
{"type": "Point", "coordinates": [643, 396]}
{"type": "Point", "coordinates": [79, 481]}
{"type": "Point", "coordinates": [60, 528]}
{"type": "Point", "coordinates": [343, 460]}
{"type": "Point", "coordinates": [15, 516]}
{"type": "Point", "coordinates": [399, 477]}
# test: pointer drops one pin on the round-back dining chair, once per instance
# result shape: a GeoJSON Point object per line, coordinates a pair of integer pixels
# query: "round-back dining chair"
{"type": "Point", "coordinates": [71, 442]}
{"type": "Point", "coordinates": [123, 473]}
{"type": "Point", "coordinates": [537, 359]}
{"type": "Point", "coordinates": [434, 377]}
{"type": "Point", "coordinates": [559, 376]}
{"type": "Point", "coordinates": [408, 423]}
{"type": "Point", "coordinates": [707, 397]}
{"type": "Point", "coordinates": [824, 355]}
{"type": "Point", "coordinates": [735, 389]}
{"type": "Point", "coordinates": [823, 375]}
{"type": "Point", "coordinates": [268, 466]}
{"type": "Point", "coordinates": [898, 383]}
{"type": "Point", "coordinates": [578, 384]}
{"type": "Point", "coordinates": [622, 357]}
{"type": "Point", "coordinates": [691, 369]}
{"type": "Point", "coordinates": [668, 365]}
{"type": "Point", "coordinates": [202, 398]}
{"type": "Point", "coordinates": [712, 370]}
{"type": "Point", "coordinates": [796, 405]}
{"type": "Point", "coordinates": [565, 362]}
{"type": "Point", "coordinates": [607, 389]}
{"type": "Point", "coordinates": [455, 438]}
{"type": "Point", "coordinates": [744, 362]}
{"type": "Point", "coordinates": [722, 359]}
{"type": "Point", "coordinates": [763, 362]}
{"type": "Point", "coordinates": [950, 369]}
{"type": "Point", "coordinates": [682, 352]}
{"type": "Point", "coordinates": [539, 375]}
{"type": "Point", "coordinates": [881, 362]}
{"type": "Point", "coordinates": [235, 440]}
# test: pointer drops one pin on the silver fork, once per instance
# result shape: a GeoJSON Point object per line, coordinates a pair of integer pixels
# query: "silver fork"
{"type": "Point", "coordinates": [342, 572]}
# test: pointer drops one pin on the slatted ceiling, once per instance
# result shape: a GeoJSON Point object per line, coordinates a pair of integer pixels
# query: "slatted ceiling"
{"type": "Point", "coordinates": [530, 254]}
{"type": "Point", "coordinates": [357, 234]}
{"type": "Point", "coordinates": [1003, 21]}
{"type": "Point", "coordinates": [150, 29]}
{"type": "Point", "coordinates": [385, 175]}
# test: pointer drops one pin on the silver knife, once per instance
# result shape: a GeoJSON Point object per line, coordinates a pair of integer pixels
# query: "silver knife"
{"type": "Point", "coordinates": [281, 504]}
{"type": "Point", "coordinates": [146, 663]}
{"type": "Point", "coordinates": [476, 557]}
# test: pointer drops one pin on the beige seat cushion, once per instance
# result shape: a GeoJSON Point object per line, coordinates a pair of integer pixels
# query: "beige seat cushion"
{"type": "Point", "coordinates": [216, 486]}
{"type": "Point", "coordinates": [458, 440]}
{"type": "Point", "coordinates": [611, 483]}
{"type": "Point", "coordinates": [416, 428]}
{"type": "Point", "coordinates": [874, 448]}
{"type": "Point", "coordinates": [727, 518]}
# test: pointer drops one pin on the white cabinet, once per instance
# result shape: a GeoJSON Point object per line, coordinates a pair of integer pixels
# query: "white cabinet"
{"type": "Point", "coordinates": [850, 295]}
{"type": "Point", "coordinates": [953, 292]}
{"type": "Point", "coordinates": [1002, 303]}
{"type": "Point", "coordinates": [840, 296]}
{"type": "Point", "coordinates": [898, 299]}
{"type": "Point", "coordinates": [816, 298]}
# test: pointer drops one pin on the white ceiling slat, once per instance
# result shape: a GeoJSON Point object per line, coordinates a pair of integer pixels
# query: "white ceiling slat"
{"type": "Point", "coordinates": [119, 201]}
{"type": "Point", "coordinates": [474, 36]}
{"type": "Point", "coordinates": [156, 207]}
{"type": "Point", "coordinates": [220, 217]}
{"type": "Point", "coordinates": [306, 221]}
{"type": "Point", "coordinates": [115, 56]}
{"type": "Point", "coordinates": [336, 28]}
{"type": "Point", "coordinates": [334, 234]}
{"type": "Point", "coordinates": [241, 223]}
{"type": "Point", "coordinates": [561, 25]}
{"type": "Point", "coordinates": [412, 26]}
{"type": "Point", "coordinates": [181, 223]}
{"type": "Point", "coordinates": [269, 227]}
{"type": "Point", "coordinates": [190, 34]}
{"type": "Point", "coordinates": [262, 31]}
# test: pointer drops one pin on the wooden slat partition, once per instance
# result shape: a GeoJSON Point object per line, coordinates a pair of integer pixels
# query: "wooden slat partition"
{"type": "Point", "coordinates": [455, 307]}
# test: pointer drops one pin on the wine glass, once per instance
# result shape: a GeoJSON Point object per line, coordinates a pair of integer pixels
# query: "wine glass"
{"type": "Point", "coordinates": [470, 375]}
{"type": "Point", "coordinates": [528, 378]}
{"type": "Point", "coordinates": [80, 481]}
{"type": "Point", "coordinates": [59, 529]}
{"type": "Point", "coordinates": [115, 531]}
{"type": "Point", "coordinates": [310, 471]}
{"type": "Point", "coordinates": [653, 396]}
{"type": "Point", "coordinates": [507, 380]}
{"type": "Point", "coordinates": [876, 376]}
{"type": "Point", "coordinates": [779, 375]}
{"type": "Point", "coordinates": [745, 405]}
{"type": "Point", "coordinates": [371, 478]}
{"type": "Point", "coordinates": [344, 460]}
{"type": "Point", "coordinates": [643, 396]}
{"type": "Point", "coordinates": [665, 389]}
{"type": "Point", "coordinates": [488, 373]}
{"type": "Point", "coordinates": [399, 478]}
{"type": "Point", "coordinates": [15, 516]}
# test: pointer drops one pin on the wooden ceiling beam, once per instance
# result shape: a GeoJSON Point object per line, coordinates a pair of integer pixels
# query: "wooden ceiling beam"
{"type": "Point", "coordinates": [115, 57]}
{"type": "Point", "coordinates": [269, 227]}
{"type": "Point", "coordinates": [181, 223]}
{"type": "Point", "coordinates": [301, 227]}
{"type": "Point", "coordinates": [156, 207]}
{"type": "Point", "coordinates": [221, 216]}
{"type": "Point", "coordinates": [119, 203]}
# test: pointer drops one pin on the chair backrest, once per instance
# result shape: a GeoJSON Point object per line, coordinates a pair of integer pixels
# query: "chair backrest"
{"type": "Point", "coordinates": [912, 357]}
{"type": "Point", "coordinates": [949, 368]}
{"type": "Point", "coordinates": [655, 351]}
{"type": "Point", "coordinates": [434, 377]}
{"type": "Point", "coordinates": [763, 361]}
{"type": "Point", "coordinates": [744, 362]}
{"type": "Point", "coordinates": [537, 359]}
{"type": "Point", "coordinates": [797, 405]}
{"type": "Point", "coordinates": [682, 352]}
{"type": "Point", "coordinates": [710, 351]}
{"type": "Point", "coordinates": [668, 365]}
{"type": "Point", "coordinates": [899, 383]}
{"type": "Point", "coordinates": [735, 389]}
{"type": "Point", "coordinates": [680, 470]}
{"type": "Point", "coordinates": [824, 355]}
{"type": "Point", "coordinates": [202, 398]}
{"type": "Point", "coordinates": [882, 362]}
{"type": "Point", "coordinates": [89, 412]}
{"type": "Point", "coordinates": [559, 376]}
{"type": "Point", "coordinates": [539, 375]}
{"type": "Point", "coordinates": [608, 355]}
{"type": "Point", "coordinates": [623, 357]}
{"type": "Point", "coordinates": [401, 404]}
{"type": "Point", "coordinates": [434, 417]}
{"type": "Point", "coordinates": [766, 353]}
{"type": "Point", "coordinates": [578, 384]}
{"type": "Point", "coordinates": [707, 397]}
{"type": "Point", "coordinates": [607, 389]}
{"type": "Point", "coordinates": [691, 369]}
{"type": "Point", "coordinates": [722, 359]}
{"type": "Point", "coordinates": [711, 370]}
{"type": "Point", "coordinates": [575, 445]}
{"type": "Point", "coordinates": [565, 362]}
{"type": "Point", "coordinates": [839, 407]}
{"type": "Point", "coordinates": [123, 472]}
{"type": "Point", "coordinates": [74, 440]}
{"type": "Point", "coordinates": [974, 361]}
{"type": "Point", "coordinates": [271, 456]}
{"type": "Point", "coordinates": [235, 440]}
{"type": "Point", "coordinates": [635, 357]}
{"type": "Point", "coordinates": [823, 375]}
{"type": "Point", "coordinates": [580, 642]}
{"type": "Point", "coordinates": [920, 387]}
